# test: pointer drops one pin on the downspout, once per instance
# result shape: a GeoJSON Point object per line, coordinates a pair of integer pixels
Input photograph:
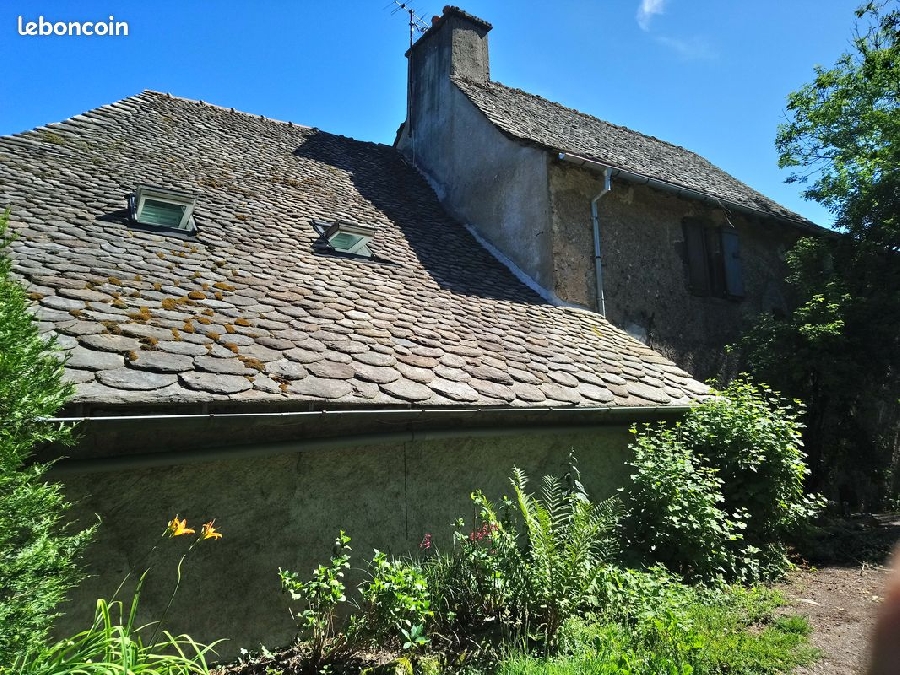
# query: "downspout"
{"type": "Point", "coordinates": [595, 218]}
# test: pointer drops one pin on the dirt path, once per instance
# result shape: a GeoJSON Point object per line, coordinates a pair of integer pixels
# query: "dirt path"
{"type": "Point", "coordinates": [841, 603]}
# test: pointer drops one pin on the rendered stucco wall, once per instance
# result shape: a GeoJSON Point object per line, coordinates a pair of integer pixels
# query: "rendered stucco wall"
{"type": "Point", "coordinates": [285, 511]}
{"type": "Point", "coordinates": [482, 178]}
{"type": "Point", "coordinates": [644, 280]}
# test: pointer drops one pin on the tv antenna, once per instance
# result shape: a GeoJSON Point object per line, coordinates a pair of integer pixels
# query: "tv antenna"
{"type": "Point", "coordinates": [416, 23]}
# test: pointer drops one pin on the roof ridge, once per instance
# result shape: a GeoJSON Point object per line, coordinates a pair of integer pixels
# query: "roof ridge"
{"type": "Point", "coordinates": [582, 113]}
{"type": "Point", "coordinates": [167, 94]}
{"type": "Point", "coordinates": [58, 123]}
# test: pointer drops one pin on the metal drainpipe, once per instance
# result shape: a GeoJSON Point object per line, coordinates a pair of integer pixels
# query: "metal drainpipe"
{"type": "Point", "coordinates": [598, 267]}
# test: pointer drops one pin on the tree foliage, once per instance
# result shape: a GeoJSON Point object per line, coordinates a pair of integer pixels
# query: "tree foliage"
{"type": "Point", "coordinates": [839, 349]}
{"type": "Point", "coordinates": [37, 553]}
{"type": "Point", "coordinates": [844, 130]}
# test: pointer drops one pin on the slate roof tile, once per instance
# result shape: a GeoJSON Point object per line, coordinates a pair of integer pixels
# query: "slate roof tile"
{"type": "Point", "coordinates": [248, 310]}
{"type": "Point", "coordinates": [536, 120]}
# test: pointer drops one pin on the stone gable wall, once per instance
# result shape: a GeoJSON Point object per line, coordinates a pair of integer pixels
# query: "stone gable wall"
{"type": "Point", "coordinates": [644, 277]}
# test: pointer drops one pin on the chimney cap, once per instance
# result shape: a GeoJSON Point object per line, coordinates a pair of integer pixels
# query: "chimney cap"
{"type": "Point", "coordinates": [450, 10]}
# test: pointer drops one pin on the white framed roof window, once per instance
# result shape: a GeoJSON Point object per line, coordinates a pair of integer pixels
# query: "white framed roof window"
{"type": "Point", "coordinates": [345, 237]}
{"type": "Point", "coordinates": [161, 208]}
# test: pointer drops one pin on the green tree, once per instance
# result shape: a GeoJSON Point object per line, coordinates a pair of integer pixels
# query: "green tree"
{"type": "Point", "coordinates": [838, 349]}
{"type": "Point", "coordinates": [38, 552]}
{"type": "Point", "coordinates": [843, 131]}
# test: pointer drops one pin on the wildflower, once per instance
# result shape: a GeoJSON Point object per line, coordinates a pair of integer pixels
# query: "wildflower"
{"type": "Point", "coordinates": [486, 530]}
{"type": "Point", "coordinates": [179, 527]}
{"type": "Point", "coordinates": [209, 532]}
{"type": "Point", "coordinates": [426, 542]}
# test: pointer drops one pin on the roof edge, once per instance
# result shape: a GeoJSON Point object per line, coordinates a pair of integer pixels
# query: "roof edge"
{"type": "Point", "coordinates": [799, 221]}
{"type": "Point", "coordinates": [682, 190]}
{"type": "Point", "coordinates": [548, 421]}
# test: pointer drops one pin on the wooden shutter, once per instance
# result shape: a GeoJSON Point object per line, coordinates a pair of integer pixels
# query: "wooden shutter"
{"type": "Point", "coordinates": [715, 261]}
{"type": "Point", "coordinates": [731, 257]}
{"type": "Point", "coordinates": [695, 257]}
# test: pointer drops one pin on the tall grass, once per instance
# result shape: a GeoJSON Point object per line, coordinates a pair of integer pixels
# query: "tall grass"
{"type": "Point", "coordinates": [113, 645]}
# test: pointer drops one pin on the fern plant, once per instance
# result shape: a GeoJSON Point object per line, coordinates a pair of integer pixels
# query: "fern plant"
{"type": "Point", "coordinates": [569, 539]}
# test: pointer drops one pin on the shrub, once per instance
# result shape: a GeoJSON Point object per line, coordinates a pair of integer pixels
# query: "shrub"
{"type": "Point", "coordinates": [717, 495]}
{"type": "Point", "coordinates": [38, 551]}
{"type": "Point", "coordinates": [752, 438]}
{"type": "Point", "coordinates": [396, 604]}
{"type": "Point", "coordinates": [530, 564]}
{"type": "Point", "coordinates": [321, 596]}
{"type": "Point", "coordinates": [674, 509]}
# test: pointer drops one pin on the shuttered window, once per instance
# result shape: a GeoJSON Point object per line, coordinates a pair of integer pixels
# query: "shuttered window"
{"type": "Point", "coordinates": [734, 273]}
{"type": "Point", "coordinates": [712, 260]}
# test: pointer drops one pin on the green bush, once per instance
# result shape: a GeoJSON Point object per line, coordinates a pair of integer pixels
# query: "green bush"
{"type": "Point", "coordinates": [320, 596]}
{"type": "Point", "coordinates": [395, 603]}
{"type": "Point", "coordinates": [674, 509]}
{"type": "Point", "coordinates": [529, 565]}
{"type": "Point", "coordinates": [717, 495]}
{"type": "Point", "coordinates": [38, 552]}
{"type": "Point", "coordinates": [752, 438]}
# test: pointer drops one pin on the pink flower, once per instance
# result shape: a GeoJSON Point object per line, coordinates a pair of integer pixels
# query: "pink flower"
{"type": "Point", "coordinates": [426, 542]}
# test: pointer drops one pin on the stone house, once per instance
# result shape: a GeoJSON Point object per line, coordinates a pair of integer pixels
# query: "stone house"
{"type": "Point", "coordinates": [283, 329]}
{"type": "Point", "coordinates": [294, 333]}
{"type": "Point", "coordinates": [663, 243]}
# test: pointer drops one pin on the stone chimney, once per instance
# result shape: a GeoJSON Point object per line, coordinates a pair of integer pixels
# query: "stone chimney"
{"type": "Point", "coordinates": [454, 46]}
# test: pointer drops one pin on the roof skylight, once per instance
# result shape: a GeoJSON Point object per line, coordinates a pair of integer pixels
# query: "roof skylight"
{"type": "Point", "coordinates": [344, 237]}
{"type": "Point", "coordinates": [160, 208]}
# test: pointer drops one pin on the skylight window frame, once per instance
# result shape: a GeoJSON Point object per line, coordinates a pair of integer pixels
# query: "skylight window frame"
{"type": "Point", "coordinates": [363, 233]}
{"type": "Point", "coordinates": [138, 204]}
{"type": "Point", "coordinates": [331, 232]}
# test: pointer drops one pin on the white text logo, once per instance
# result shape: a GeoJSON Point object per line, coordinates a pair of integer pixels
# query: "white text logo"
{"type": "Point", "coordinates": [42, 27]}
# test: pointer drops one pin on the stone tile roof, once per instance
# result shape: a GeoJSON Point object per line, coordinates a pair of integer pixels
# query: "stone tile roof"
{"type": "Point", "coordinates": [534, 119]}
{"type": "Point", "coordinates": [247, 311]}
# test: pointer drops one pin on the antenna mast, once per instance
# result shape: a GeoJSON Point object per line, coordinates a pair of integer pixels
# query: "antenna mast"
{"type": "Point", "coordinates": [416, 23]}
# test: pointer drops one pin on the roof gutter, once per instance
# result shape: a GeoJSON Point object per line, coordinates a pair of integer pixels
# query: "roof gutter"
{"type": "Point", "coordinates": [673, 189]}
{"type": "Point", "coordinates": [601, 417]}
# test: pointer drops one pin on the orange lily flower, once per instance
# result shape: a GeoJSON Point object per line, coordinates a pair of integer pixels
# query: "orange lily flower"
{"type": "Point", "coordinates": [179, 527]}
{"type": "Point", "coordinates": [209, 532]}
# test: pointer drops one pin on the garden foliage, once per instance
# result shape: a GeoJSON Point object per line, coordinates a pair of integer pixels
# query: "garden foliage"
{"type": "Point", "coordinates": [529, 565]}
{"type": "Point", "coordinates": [38, 552]}
{"type": "Point", "coordinates": [114, 643]}
{"type": "Point", "coordinates": [718, 495]}
{"type": "Point", "coordinates": [321, 596]}
{"type": "Point", "coordinates": [535, 583]}
{"type": "Point", "coordinates": [396, 606]}
{"type": "Point", "coordinates": [676, 629]}
{"type": "Point", "coordinates": [838, 348]}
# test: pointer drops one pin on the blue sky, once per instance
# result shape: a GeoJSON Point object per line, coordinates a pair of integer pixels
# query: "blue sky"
{"type": "Point", "coordinates": [709, 75]}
